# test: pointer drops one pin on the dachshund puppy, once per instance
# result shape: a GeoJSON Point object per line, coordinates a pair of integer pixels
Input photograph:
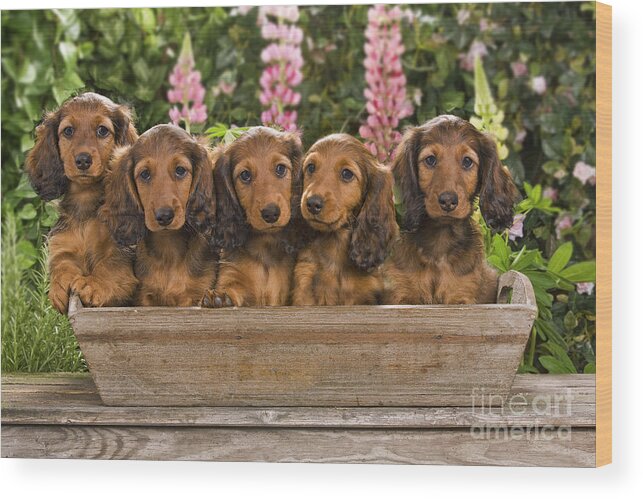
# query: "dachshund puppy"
{"type": "Point", "coordinates": [160, 197]}
{"type": "Point", "coordinates": [70, 160]}
{"type": "Point", "coordinates": [440, 168]}
{"type": "Point", "coordinates": [348, 201]}
{"type": "Point", "coordinates": [258, 187]}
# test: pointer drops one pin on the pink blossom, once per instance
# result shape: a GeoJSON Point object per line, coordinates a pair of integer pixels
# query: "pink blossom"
{"type": "Point", "coordinates": [585, 173]}
{"type": "Point", "coordinates": [385, 94]}
{"type": "Point", "coordinates": [520, 136]}
{"type": "Point", "coordinates": [550, 193]}
{"type": "Point", "coordinates": [283, 61]}
{"type": "Point", "coordinates": [242, 10]}
{"type": "Point", "coordinates": [518, 69]}
{"type": "Point", "coordinates": [463, 16]}
{"type": "Point", "coordinates": [515, 231]}
{"type": "Point", "coordinates": [477, 49]}
{"type": "Point", "coordinates": [563, 222]}
{"type": "Point", "coordinates": [584, 288]}
{"type": "Point", "coordinates": [539, 84]}
{"type": "Point", "coordinates": [187, 90]}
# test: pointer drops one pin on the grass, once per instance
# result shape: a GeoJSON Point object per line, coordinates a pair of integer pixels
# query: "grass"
{"type": "Point", "coordinates": [35, 337]}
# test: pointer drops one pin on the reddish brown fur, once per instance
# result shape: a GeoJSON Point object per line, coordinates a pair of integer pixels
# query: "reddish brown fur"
{"type": "Point", "coordinates": [440, 256]}
{"type": "Point", "coordinates": [174, 261]}
{"type": "Point", "coordinates": [354, 226]}
{"type": "Point", "coordinates": [257, 255]}
{"type": "Point", "coordinates": [82, 256]}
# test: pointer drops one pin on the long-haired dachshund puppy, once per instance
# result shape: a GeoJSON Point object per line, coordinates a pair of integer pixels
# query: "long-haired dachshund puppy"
{"type": "Point", "coordinates": [440, 169]}
{"type": "Point", "coordinates": [258, 186]}
{"type": "Point", "coordinates": [348, 201]}
{"type": "Point", "coordinates": [70, 160]}
{"type": "Point", "coordinates": [160, 197]}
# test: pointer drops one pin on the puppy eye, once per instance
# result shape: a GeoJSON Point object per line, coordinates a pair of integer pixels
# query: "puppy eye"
{"type": "Point", "coordinates": [347, 175]}
{"type": "Point", "coordinates": [245, 176]}
{"type": "Point", "coordinates": [145, 175]}
{"type": "Point", "coordinates": [310, 168]}
{"type": "Point", "coordinates": [180, 172]}
{"type": "Point", "coordinates": [68, 131]}
{"type": "Point", "coordinates": [467, 162]}
{"type": "Point", "coordinates": [431, 161]}
{"type": "Point", "coordinates": [280, 170]}
{"type": "Point", "coordinates": [102, 131]}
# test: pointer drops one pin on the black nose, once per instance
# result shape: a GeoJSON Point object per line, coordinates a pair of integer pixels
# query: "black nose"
{"type": "Point", "coordinates": [448, 201]}
{"type": "Point", "coordinates": [314, 204]}
{"type": "Point", "coordinates": [164, 216]}
{"type": "Point", "coordinates": [83, 161]}
{"type": "Point", "coordinates": [271, 213]}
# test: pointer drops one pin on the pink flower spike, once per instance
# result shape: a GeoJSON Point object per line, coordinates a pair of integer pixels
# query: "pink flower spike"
{"type": "Point", "coordinates": [585, 173]}
{"type": "Point", "coordinates": [584, 288]}
{"type": "Point", "coordinates": [187, 89]}
{"type": "Point", "coordinates": [515, 231]}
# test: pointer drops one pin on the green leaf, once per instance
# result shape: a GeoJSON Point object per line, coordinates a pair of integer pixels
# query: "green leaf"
{"type": "Point", "coordinates": [28, 212]}
{"type": "Point", "coordinates": [554, 366]}
{"type": "Point", "coordinates": [590, 368]}
{"type": "Point", "coordinates": [560, 258]}
{"type": "Point", "coordinates": [580, 272]}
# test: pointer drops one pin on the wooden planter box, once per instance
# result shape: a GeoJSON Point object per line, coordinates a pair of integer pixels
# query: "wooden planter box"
{"type": "Point", "coordinates": [432, 355]}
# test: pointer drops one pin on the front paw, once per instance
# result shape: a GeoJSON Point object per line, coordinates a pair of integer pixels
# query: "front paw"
{"type": "Point", "coordinates": [59, 297]}
{"type": "Point", "coordinates": [215, 299]}
{"type": "Point", "coordinates": [92, 293]}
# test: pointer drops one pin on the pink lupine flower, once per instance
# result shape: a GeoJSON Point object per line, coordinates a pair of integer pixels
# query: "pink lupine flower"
{"type": "Point", "coordinates": [187, 90]}
{"type": "Point", "coordinates": [585, 173]}
{"type": "Point", "coordinates": [563, 222]}
{"type": "Point", "coordinates": [477, 49]}
{"type": "Point", "coordinates": [515, 231]}
{"type": "Point", "coordinates": [550, 193]}
{"type": "Point", "coordinates": [385, 94]}
{"type": "Point", "coordinates": [518, 69]}
{"type": "Point", "coordinates": [584, 288]}
{"type": "Point", "coordinates": [283, 61]}
{"type": "Point", "coordinates": [539, 84]}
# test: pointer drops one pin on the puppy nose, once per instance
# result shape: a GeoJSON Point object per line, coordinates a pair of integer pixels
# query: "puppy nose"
{"type": "Point", "coordinates": [164, 216]}
{"type": "Point", "coordinates": [271, 213]}
{"type": "Point", "coordinates": [314, 204]}
{"type": "Point", "coordinates": [83, 161]}
{"type": "Point", "coordinates": [448, 201]}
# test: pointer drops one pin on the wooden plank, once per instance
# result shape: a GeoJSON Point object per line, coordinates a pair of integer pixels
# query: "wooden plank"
{"type": "Point", "coordinates": [563, 400]}
{"type": "Point", "coordinates": [292, 356]}
{"type": "Point", "coordinates": [604, 233]}
{"type": "Point", "coordinates": [568, 447]}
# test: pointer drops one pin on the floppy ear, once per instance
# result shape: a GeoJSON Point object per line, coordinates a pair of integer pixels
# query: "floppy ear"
{"type": "Point", "coordinates": [124, 130]}
{"type": "Point", "coordinates": [375, 225]}
{"type": "Point", "coordinates": [44, 166]}
{"type": "Point", "coordinates": [498, 194]}
{"type": "Point", "coordinates": [405, 170]}
{"type": "Point", "coordinates": [297, 233]}
{"type": "Point", "coordinates": [200, 208]}
{"type": "Point", "coordinates": [122, 211]}
{"type": "Point", "coordinates": [231, 228]}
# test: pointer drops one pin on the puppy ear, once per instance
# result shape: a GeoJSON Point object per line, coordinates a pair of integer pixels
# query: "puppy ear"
{"type": "Point", "coordinates": [124, 130]}
{"type": "Point", "coordinates": [231, 228]}
{"type": "Point", "coordinates": [405, 170]}
{"type": "Point", "coordinates": [298, 231]}
{"type": "Point", "coordinates": [122, 210]}
{"type": "Point", "coordinates": [201, 208]}
{"type": "Point", "coordinates": [498, 193]}
{"type": "Point", "coordinates": [44, 166]}
{"type": "Point", "coordinates": [375, 225]}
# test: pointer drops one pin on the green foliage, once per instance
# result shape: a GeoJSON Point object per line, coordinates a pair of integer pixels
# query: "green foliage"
{"type": "Point", "coordinates": [128, 54]}
{"type": "Point", "coordinates": [35, 338]}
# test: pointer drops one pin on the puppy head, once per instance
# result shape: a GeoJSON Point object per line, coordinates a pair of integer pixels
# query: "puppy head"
{"type": "Point", "coordinates": [74, 143]}
{"type": "Point", "coordinates": [161, 183]}
{"type": "Point", "coordinates": [443, 165]}
{"type": "Point", "coordinates": [258, 183]}
{"type": "Point", "coordinates": [344, 185]}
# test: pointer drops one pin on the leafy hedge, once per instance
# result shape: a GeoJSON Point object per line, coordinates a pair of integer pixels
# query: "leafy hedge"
{"type": "Point", "coordinates": [539, 58]}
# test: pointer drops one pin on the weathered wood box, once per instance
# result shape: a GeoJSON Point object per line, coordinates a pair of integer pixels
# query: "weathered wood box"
{"type": "Point", "coordinates": [414, 356]}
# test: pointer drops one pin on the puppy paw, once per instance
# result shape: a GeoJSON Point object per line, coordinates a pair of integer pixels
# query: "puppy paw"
{"type": "Point", "coordinates": [91, 292]}
{"type": "Point", "coordinates": [59, 297]}
{"type": "Point", "coordinates": [213, 299]}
